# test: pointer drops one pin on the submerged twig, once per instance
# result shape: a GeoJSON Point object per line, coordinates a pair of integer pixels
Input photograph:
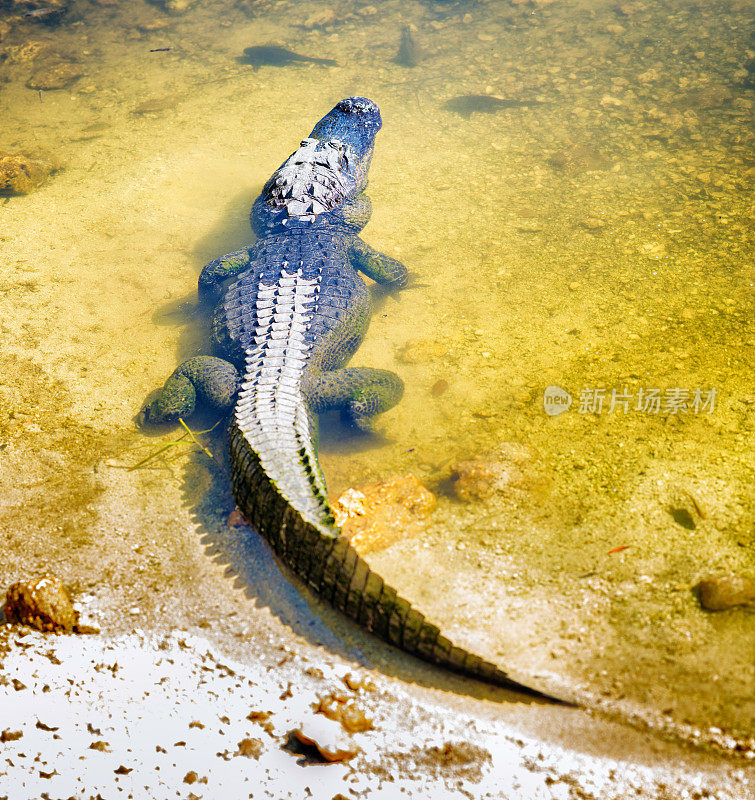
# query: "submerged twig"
{"type": "Point", "coordinates": [194, 438]}
{"type": "Point", "coordinates": [188, 438]}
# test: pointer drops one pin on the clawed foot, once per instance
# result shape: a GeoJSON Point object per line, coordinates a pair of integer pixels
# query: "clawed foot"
{"type": "Point", "coordinates": [393, 291]}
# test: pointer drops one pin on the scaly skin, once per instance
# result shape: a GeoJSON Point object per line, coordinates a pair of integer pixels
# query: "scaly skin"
{"type": "Point", "coordinates": [285, 328]}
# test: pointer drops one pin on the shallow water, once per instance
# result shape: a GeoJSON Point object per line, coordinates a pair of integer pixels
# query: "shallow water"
{"type": "Point", "coordinates": [598, 239]}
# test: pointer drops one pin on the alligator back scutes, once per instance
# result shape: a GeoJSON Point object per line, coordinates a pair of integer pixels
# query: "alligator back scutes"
{"type": "Point", "coordinates": [271, 412]}
{"type": "Point", "coordinates": [311, 181]}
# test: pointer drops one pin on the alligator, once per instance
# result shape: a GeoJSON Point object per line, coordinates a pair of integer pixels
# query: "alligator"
{"type": "Point", "coordinates": [285, 328]}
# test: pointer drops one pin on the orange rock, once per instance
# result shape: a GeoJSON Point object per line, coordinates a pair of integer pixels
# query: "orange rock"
{"type": "Point", "coordinates": [375, 515]}
{"type": "Point", "coordinates": [41, 603]}
{"type": "Point", "coordinates": [506, 470]}
{"type": "Point", "coordinates": [349, 713]}
{"type": "Point", "coordinates": [20, 174]}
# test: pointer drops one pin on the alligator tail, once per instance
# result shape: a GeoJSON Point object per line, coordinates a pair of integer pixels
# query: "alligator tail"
{"type": "Point", "coordinates": [270, 468]}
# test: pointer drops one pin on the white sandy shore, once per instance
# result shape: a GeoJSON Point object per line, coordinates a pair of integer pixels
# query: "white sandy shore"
{"type": "Point", "coordinates": [143, 695]}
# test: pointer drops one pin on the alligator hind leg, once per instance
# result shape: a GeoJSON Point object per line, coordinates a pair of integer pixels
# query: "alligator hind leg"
{"type": "Point", "coordinates": [206, 379]}
{"type": "Point", "coordinates": [359, 392]}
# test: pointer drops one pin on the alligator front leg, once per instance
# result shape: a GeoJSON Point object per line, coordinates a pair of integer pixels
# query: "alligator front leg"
{"type": "Point", "coordinates": [214, 273]}
{"type": "Point", "coordinates": [381, 268]}
{"type": "Point", "coordinates": [212, 381]}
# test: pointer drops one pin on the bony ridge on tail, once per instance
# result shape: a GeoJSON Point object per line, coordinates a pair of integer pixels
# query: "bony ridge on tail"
{"type": "Point", "coordinates": [291, 310]}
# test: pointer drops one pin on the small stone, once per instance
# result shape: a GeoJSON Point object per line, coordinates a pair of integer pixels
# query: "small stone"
{"type": "Point", "coordinates": [20, 174]}
{"type": "Point", "coordinates": [649, 76]}
{"type": "Point", "coordinates": [177, 7]}
{"type": "Point", "coordinates": [10, 736]}
{"type": "Point", "coordinates": [573, 286]}
{"type": "Point", "coordinates": [101, 746]}
{"type": "Point", "coordinates": [357, 682]}
{"type": "Point", "coordinates": [123, 770]}
{"type": "Point", "coordinates": [320, 19]}
{"type": "Point", "coordinates": [592, 223]}
{"type": "Point", "coordinates": [328, 737]}
{"type": "Point", "coordinates": [349, 713]}
{"type": "Point", "coordinates": [235, 519]}
{"type": "Point", "coordinates": [191, 777]}
{"type": "Point", "coordinates": [41, 603]}
{"type": "Point", "coordinates": [609, 101]}
{"type": "Point", "coordinates": [506, 470]}
{"type": "Point", "coordinates": [251, 748]}
{"type": "Point", "coordinates": [726, 591]}
{"type": "Point", "coordinates": [55, 75]}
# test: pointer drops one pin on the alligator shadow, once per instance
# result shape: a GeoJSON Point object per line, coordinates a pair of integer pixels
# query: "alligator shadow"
{"type": "Point", "coordinates": [248, 560]}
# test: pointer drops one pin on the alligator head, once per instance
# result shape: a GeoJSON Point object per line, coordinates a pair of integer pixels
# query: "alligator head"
{"type": "Point", "coordinates": [329, 168]}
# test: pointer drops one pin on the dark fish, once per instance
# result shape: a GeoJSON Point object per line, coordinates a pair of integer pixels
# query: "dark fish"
{"type": "Point", "coordinates": [409, 53]}
{"type": "Point", "coordinates": [46, 14]}
{"type": "Point", "coordinates": [264, 56]}
{"type": "Point", "coordinates": [468, 104]}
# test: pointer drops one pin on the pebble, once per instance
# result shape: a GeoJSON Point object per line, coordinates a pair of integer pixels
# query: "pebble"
{"type": "Point", "coordinates": [20, 174]}
{"type": "Point", "coordinates": [320, 19]}
{"type": "Point", "coordinates": [177, 7]}
{"type": "Point", "coordinates": [251, 748]}
{"type": "Point", "coordinates": [41, 603]}
{"type": "Point", "coordinates": [500, 471]}
{"type": "Point", "coordinates": [235, 519]}
{"type": "Point", "coordinates": [722, 592]}
{"type": "Point", "coordinates": [349, 713]}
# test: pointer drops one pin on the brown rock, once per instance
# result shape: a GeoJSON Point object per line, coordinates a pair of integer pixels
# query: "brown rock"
{"type": "Point", "coordinates": [505, 470]}
{"type": "Point", "coordinates": [375, 515]}
{"type": "Point", "coordinates": [726, 591]}
{"type": "Point", "coordinates": [55, 75]}
{"type": "Point", "coordinates": [235, 519]}
{"type": "Point", "coordinates": [341, 709]}
{"type": "Point", "coordinates": [41, 603]}
{"type": "Point", "coordinates": [191, 777]}
{"type": "Point", "coordinates": [20, 174]}
{"type": "Point", "coordinates": [10, 736]}
{"type": "Point", "coordinates": [103, 747]}
{"type": "Point", "coordinates": [251, 748]}
{"type": "Point", "coordinates": [320, 19]}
